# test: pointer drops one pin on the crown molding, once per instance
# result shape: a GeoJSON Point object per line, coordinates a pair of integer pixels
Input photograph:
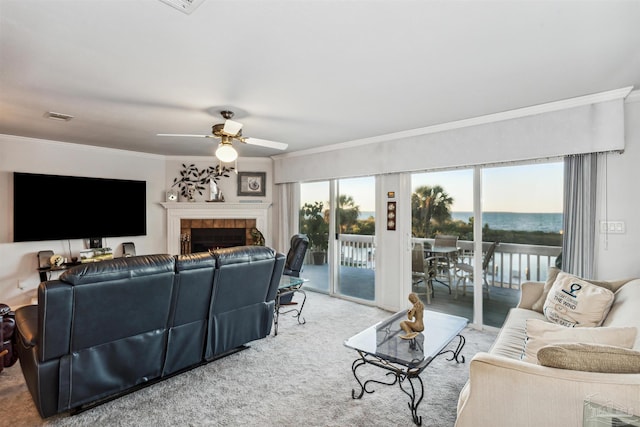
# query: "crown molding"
{"type": "Point", "coordinates": [633, 97]}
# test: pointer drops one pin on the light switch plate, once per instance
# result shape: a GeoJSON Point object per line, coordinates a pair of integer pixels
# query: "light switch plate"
{"type": "Point", "coordinates": [612, 227]}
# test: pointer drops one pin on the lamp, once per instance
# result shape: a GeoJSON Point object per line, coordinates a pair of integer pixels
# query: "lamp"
{"type": "Point", "coordinates": [225, 151]}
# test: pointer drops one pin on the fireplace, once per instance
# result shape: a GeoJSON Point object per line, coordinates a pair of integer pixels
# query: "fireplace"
{"type": "Point", "coordinates": [183, 218]}
{"type": "Point", "coordinates": [201, 234]}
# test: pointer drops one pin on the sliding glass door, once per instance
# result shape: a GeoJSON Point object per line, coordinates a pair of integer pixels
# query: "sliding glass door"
{"type": "Point", "coordinates": [314, 222]}
{"type": "Point", "coordinates": [522, 212]}
{"type": "Point", "coordinates": [521, 216]}
{"type": "Point", "coordinates": [341, 257]}
{"type": "Point", "coordinates": [441, 205]}
{"type": "Point", "coordinates": [355, 230]}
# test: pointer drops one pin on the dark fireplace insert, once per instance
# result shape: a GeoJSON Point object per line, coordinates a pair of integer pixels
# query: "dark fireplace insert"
{"type": "Point", "coordinates": [204, 239]}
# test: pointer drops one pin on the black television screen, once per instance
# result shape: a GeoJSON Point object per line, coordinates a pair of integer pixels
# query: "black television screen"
{"type": "Point", "coordinates": [55, 207]}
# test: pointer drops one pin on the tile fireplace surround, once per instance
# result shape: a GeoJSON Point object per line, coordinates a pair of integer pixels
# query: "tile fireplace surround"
{"type": "Point", "coordinates": [230, 212]}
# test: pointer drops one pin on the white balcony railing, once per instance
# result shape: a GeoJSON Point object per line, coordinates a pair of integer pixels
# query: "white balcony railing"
{"type": "Point", "coordinates": [357, 251]}
{"type": "Point", "coordinates": [512, 263]}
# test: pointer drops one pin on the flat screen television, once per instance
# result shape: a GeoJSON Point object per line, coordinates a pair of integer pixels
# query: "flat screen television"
{"type": "Point", "coordinates": [56, 207]}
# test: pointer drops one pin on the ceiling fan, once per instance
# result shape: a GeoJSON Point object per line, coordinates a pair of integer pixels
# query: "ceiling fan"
{"type": "Point", "coordinates": [227, 132]}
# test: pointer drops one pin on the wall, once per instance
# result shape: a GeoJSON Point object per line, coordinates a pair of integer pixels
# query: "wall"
{"type": "Point", "coordinates": [579, 125]}
{"type": "Point", "coordinates": [610, 124]}
{"type": "Point", "coordinates": [18, 261]}
{"type": "Point", "coordinates": [617, 254]}
{"type": "Point", "coordinates": [228, 186]}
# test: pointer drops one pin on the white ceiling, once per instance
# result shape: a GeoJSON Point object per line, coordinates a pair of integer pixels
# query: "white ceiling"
{"type": "Point", "coordinates": [305, 72]}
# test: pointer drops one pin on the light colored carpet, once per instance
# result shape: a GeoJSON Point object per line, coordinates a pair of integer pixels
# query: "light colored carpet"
{"type": "Point", "coordinates": [302, 377]}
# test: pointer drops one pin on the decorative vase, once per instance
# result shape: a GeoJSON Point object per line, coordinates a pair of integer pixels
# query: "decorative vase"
{"type": "Point", "coordinates": [215, 195]}
{"type": "Point", "coordinates": [191, 193]}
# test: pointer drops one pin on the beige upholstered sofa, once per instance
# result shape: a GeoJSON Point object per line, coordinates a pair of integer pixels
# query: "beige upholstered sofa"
{"type": "Point", "coordinates": [504, 390]}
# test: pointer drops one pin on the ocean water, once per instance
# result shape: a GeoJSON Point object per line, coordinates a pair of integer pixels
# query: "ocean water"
{"type": "Point", "coordinates": [548, 222]}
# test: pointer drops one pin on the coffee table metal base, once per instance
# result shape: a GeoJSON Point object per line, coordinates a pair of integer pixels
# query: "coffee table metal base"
{"type": "Point", "coordinates": [407, 378]}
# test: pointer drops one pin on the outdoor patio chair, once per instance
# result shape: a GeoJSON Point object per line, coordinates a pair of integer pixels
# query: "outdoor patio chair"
{"type": "Point", "coordinates": [421, 271]}
{"type": "Point", "coordinates": [464, 270]}
{"type": "Point", "coordinates": [445, 263]}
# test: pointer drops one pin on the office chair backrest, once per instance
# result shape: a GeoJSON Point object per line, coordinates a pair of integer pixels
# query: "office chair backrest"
{"type": "Point", "coordinates": [295, 256]}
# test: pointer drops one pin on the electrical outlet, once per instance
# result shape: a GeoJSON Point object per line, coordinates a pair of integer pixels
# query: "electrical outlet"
{"type": "Point", "coordinates": [612, 227]}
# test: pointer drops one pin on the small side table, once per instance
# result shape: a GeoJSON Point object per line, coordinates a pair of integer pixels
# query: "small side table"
{"type": "Point", "coordinates": [289, 285]}
{"type": "Point", "coordinates": [44, 270]}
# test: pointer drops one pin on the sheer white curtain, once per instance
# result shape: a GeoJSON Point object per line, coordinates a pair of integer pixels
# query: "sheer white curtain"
{"type": "Point", "coordinates": [579, 224]}
{"type": "Point", "coordinates": [286, 217]}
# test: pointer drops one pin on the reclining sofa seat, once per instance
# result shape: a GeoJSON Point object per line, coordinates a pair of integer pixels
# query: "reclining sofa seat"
{"type": "Point", "coordinates": [190, 314]}
{"type": "Point", "coordinates": [98, 330]}
{"type": "Point", "coordinates": [243, 301]}
{"type": "Point", "coordinates": [105, 328]}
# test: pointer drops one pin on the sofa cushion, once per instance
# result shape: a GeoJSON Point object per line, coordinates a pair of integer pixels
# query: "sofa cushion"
{"type": "Point", "coordinates": [551, 278]}
{"type": "Point", "coordinates": [575, 302]}
{"type": "Point", "coordinates": [540, 333]}
{"type": "Point", "coordinates": [510, 339]}
{"type": "Point", "coordinates": [624, 311]}
{"type": "Point", "coordinates": [591, 358]}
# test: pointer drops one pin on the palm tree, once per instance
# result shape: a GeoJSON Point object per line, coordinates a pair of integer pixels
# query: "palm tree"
{"type": "Point", "coordinates": [429, 204]}
{"type": "Point", "coordinates": [347, 213]}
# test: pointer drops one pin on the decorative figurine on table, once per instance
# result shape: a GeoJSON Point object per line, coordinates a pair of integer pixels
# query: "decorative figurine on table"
{"type": "Point", "coordinates": [414, 325]}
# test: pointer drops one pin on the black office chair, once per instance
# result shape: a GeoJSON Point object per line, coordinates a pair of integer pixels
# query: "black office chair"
{"type": "Point", "coordinates": [294, 261]}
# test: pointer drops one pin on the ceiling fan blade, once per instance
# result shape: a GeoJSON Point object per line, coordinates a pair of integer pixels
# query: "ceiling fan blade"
{"type": "Point", "coordinates": [231, 128]}
{"type": "Point", "coordinates": [185, 134]}
{"type": "Point", "coordinates": [266, 143]}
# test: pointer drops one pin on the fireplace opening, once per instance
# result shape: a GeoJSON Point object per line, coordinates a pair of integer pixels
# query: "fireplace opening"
{"type": "Point", "coordinates": [204, 239]}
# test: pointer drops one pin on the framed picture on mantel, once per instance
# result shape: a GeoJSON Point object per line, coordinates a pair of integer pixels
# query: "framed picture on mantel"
{"type": "Point", "coordinates": [252, 184]}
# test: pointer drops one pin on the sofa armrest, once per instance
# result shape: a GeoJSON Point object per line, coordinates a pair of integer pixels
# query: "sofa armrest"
{"type": "Point", "coordinates": [529, 294]}
{"type": "Point", "coordinates": [503, 391]}
{"type": "Point", "coordinates": [27, 325]}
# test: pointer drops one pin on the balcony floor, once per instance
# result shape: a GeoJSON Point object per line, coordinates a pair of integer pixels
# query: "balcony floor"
{"type": "Point", "coordinates": [359, 283]}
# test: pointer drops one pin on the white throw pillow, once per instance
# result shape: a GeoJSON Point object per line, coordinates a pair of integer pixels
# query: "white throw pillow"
{"type": "Point", "coordinates": [541, 333]}
{"type": "Point", "coordinates": [575, 302]}
{"type": "Point", "coordinates": [551, 278]}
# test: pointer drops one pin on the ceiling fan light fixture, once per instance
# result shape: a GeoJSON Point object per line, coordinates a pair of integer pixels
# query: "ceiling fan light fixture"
{"type": "Point", "coordinates": [226, 153]}
{"type": "Point", "coordinates": [186, 6]}
{"type": "Point", "coordinates": [231, 128]}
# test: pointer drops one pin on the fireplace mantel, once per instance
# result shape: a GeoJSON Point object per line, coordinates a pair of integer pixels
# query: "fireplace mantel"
{"type": "Point", "coordinates": [213, 210]}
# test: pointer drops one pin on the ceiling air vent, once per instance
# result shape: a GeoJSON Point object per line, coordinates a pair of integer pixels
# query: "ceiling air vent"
{"type": "Point", "coordinates": [186, 6]}
{"type": "Point", "coordinates": [57, 116]}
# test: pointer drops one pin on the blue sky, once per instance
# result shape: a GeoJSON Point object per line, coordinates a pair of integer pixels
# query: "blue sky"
{"type": "Point", "coordinates": [525, 188]}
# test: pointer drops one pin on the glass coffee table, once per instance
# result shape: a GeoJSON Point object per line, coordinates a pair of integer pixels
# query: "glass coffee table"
{"type": "Point", "coordinates": [289, 285]}
{"type": "Point", "coordinates": [380, 345]}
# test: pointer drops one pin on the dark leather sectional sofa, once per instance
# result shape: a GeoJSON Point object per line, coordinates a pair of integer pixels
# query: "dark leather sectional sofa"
{"type": "Point", "coordinates": [107, 328]}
